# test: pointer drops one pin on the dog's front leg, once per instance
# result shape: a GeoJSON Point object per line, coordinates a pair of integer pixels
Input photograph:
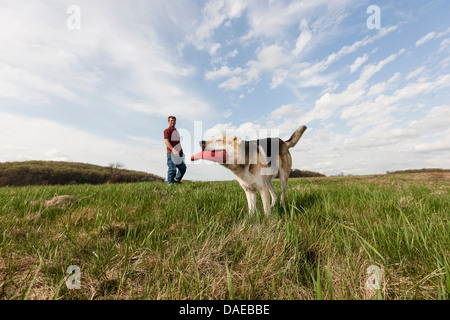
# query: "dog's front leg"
{"type": "Point", "coordinates": [251, 199]}
{"type": "Point", "coordinates": [265, 200]}
{"type": "Point", "coordinates": [273, 193]}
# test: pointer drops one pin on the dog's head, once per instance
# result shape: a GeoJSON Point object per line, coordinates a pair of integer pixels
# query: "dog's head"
{"type": "Point", "coordinates": [227, 143]}
{"type": "Point", "coordinates": [220, 143]}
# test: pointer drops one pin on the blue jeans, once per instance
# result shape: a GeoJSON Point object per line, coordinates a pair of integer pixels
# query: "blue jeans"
{"type": "Point", "coordinates": [172, 173]}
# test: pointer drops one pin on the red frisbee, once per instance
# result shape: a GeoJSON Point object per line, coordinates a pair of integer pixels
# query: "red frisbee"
{"type": "Point", "coordinates": [216, 156]}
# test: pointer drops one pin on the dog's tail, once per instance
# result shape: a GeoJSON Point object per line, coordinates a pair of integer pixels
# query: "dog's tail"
{"type": "Point", "coordinates": [295, 137]}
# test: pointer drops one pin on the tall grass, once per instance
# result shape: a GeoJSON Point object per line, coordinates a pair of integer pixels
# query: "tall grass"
{"type": "Point", "coordinates": [196, 240]}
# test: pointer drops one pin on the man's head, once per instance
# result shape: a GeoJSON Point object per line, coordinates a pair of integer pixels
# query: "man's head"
{"type": "Point", "coordinates": [172, 121]}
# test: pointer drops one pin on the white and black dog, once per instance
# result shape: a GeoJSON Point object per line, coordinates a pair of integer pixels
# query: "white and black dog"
{"type": "Point", "coordinates": [255, 163]}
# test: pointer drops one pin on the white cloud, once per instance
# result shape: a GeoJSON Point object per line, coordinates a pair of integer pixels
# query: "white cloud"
{"type": "Point", "coordinates": [423, 87]}
{"type": "Point", "coordinates": [276, 59]}
{"type": "Point", "coordinates": [271, 19]}
{"type": "Point", "coordinates": [377, 89]}
{"type": "Point", "coordinates": [285, 110]}
{"type": "Point", "coordinates": [444, 44]}
{"type": "Point", "coordinates": [279, 76]}
{"type": "Point", "coordinates": [233, 53]}
{"type": "Point", "coordinates": [44, 61]}
{"type": "Point", "coordinates": [307, 75]}
{"type": "Point", "coordinates": [169, 102]}
{"type": "Point", "coordinates": [303, 39]}
{"type": "Point", "coordinates": [425, 38]}
{"type": "Point", "coordinates": [434, 146]}
{"type": "Point", "coordinates": [345, 50]}
{"type": "Point", "coordinates": [419, 136]}
{"type": "Point", "coordinates": [395, 77]}
{"type": "Point", "coordinates": [365, 110]}
{"type": "Point", "coordinates": [214, 47]}
{"type": "Point", "coordinates": [20, 84]}
{"type": "Point", "coordinates": [223, 60]}
{"type": "Point", "coordinates": [415, 73]}
{"type": "Point", "coordinates": [430, 36]}
{"type": "Point", "coordinates": [359, 62]}
{"type": "Point", "coordinates": [215, 13]}
{"type": "Point", "coordinates": [56, 155]}
{"type": "Point", "coordinates": [385, 144]}
{"type": "Point", "coordinates": [246, 131]}
{"type": "Point", "coordinates": [269, 59]}
{"type": "Point", "coordinates": [234, 83]}
{"type": "Point", "coordinates": [328, 103]}
{"type": "Point", "coordinates": [227, 113]}
{"type": "Point", "coordinates": [223, 72]}
{"type": "Point", "coordinates": [435, 120]}
{"type": "Point", "coordinates": [445, 63]}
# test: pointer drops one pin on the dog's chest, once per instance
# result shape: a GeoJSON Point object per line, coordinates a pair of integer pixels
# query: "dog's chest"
{"type": "Point", "coordinates": [248, 180]}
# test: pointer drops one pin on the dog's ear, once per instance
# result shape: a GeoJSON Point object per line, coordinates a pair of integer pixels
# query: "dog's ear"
{"type": "Point", "coordinates": [237, 140]}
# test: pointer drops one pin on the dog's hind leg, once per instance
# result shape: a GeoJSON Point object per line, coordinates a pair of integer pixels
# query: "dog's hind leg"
{"type": "Point", "coordinates": [283, 180]}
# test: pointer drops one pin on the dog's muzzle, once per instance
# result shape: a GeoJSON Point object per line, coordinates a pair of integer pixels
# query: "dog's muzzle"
{"type": "Point", "coordinates": [202, 144]}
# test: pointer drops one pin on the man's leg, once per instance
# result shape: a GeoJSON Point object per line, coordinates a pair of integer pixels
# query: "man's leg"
{"type": "Point", "coordinates": [172, 169]}
{"type": "Point", "coordinates": [181, 171]}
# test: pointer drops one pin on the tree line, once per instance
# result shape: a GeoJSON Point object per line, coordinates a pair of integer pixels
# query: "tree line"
{"type": "Point", "coordinates": [296, 173]}
{"type": "Point", "coordinates": [423, 170]}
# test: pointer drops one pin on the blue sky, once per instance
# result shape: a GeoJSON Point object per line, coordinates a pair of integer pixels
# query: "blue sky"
{"type": "Point", "coordinates": [96, 85]}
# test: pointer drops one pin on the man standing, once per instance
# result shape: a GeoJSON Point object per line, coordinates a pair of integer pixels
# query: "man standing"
{"type": "Point", "coordinates": [174, 153]}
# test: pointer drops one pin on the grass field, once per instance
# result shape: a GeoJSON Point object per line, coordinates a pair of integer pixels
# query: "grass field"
{"type": "Point", "coordinates": [196, 240]}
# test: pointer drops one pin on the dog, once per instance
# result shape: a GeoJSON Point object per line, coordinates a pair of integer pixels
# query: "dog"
{"type": "Point", "coordinates": [255, 163]}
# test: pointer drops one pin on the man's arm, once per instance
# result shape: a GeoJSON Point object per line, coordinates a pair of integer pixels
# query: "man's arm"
{"type": "Point", "coordinates": [169, 145]}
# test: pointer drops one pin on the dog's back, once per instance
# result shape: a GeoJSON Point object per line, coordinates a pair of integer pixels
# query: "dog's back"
{"type": "Point", "coordinates": [272, 153]}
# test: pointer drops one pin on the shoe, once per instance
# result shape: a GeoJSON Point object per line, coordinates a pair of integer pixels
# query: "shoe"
{"type": "Point", "coordinates": [170, 184]}
{"type": "Point", "coordinates": [177, 181]}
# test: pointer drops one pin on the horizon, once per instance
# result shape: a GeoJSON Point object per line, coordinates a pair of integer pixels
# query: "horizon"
{"type": "Point", "coordinates": [94, 82]}
{"type": "Point", "coordinates": [120, 166]}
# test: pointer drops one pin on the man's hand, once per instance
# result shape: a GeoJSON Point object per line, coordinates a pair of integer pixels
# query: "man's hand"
{"type": "Point", "coordinates": [175, 152]}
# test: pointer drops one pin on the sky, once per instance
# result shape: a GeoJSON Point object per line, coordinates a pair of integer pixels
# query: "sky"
{"type": "Point", "coordinates": [94, 81]}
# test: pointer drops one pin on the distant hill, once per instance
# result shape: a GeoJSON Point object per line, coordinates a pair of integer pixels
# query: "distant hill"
{"type": "Point", "coordinates": [62, 173]}
{"type": "Point", "coordinates": [423, 170]}
{"type": "Point", "coordinates": [296, 173]}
